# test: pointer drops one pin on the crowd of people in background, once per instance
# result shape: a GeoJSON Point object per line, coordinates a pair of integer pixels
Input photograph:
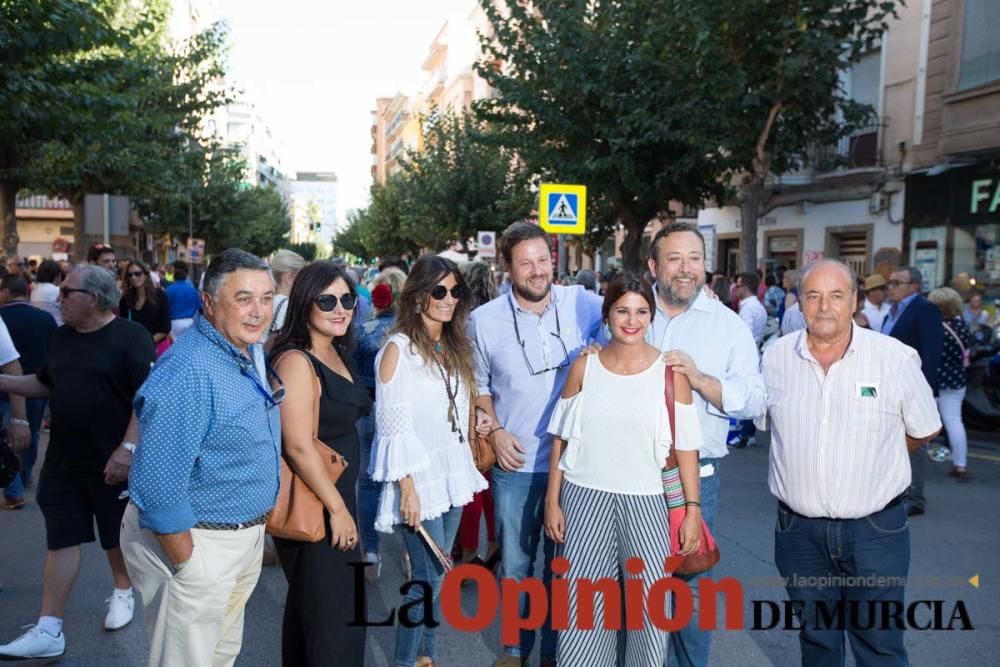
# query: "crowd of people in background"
{"type": "Point", "coordinates": [398, 368]}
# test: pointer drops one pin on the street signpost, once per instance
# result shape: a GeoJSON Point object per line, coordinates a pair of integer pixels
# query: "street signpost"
{"type": "Point", "coordinates": [486, 242]}
{"type": "Point", "coordinates": [563, 208]}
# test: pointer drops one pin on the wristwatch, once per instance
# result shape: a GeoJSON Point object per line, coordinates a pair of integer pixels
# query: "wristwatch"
{"type": "Point", "coordinates": [130, 446]}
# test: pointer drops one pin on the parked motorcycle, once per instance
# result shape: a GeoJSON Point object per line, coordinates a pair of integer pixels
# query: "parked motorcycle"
{"type": "Point", "coordinates": [981, 408]}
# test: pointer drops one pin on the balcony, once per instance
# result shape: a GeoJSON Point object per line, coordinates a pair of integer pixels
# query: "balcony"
{"type": "Point", "coordinates": [43, 202]}
{"type": "Point", "coordinates": [859, 150]}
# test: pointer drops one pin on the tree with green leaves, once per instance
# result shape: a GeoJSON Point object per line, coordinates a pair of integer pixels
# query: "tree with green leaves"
{"type": "Point", "coordinates": [41, 42]}
{"type": "Point", "coordinates": [460, 182]}
{"type": "Point", "coordinates": [585, 95]}
{"type": "Point", "coordinates": [307, 251]}
{"type": "Point", "coordinates": [381, 228]}
{"type": "Point", "coordinates": [768, 80]}
{"type": "Point", "coordinates": [348, 240]}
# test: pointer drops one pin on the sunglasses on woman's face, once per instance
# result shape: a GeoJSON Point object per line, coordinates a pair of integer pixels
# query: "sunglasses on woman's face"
{"type": "Point", "coordinates": [135, 274]}
{"type": "Point", "coordinates": [440, 291]}
{"type": "Point", "coordinates": [327, 302]}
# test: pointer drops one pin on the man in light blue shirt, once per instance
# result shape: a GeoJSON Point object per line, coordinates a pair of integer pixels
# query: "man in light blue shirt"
{"type": "Point", "coordinates": [525, 342]}
{"type": "Point", "coordinates": [205, 473]}
{"type": "Point", "coordinates": [712, 346]}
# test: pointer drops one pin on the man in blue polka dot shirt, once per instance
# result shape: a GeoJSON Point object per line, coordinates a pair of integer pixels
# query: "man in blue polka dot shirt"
{"type": "Point", "coordinates": [205, 473]}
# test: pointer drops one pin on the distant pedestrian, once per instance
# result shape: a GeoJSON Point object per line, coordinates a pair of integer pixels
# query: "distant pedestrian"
{"type": "Point", "coordinates": [144, 303]}
{"type": "Point", "coordinates": [876, 307]}
{"type": "Point", "coordinates": [845, 405]}
{"type": "Point", "coordinates": [773, 297]}
{"type": "Point", "coordinates": [184, 303]}
{"type": "Point", "coordinates": [957, 341]}
{"type": "Point", "coordinates": [588, 279]}
{"type": "Point", "coordinates": [751, 310]}
{"type": "Point", "coordinates": [96, 363]}
{"type": "Point", "coordinates": [103, 255]}
{"type": "Point", "coordinates": [285, 265]}
{"type": "Point", "coordinates": [916, 322]}
{"type": "Point", "coordinates": [205, 473]}
{"type": "Point", "coordinates": [30, 330]}
{"type": "Point", "coordinates": [45, 293]}
{"type": "Point", "coordinates": [975, 314]}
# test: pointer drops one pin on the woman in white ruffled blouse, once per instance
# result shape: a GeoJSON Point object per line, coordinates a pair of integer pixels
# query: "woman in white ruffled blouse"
{"type": "Point", "coordinates": [423, 395]}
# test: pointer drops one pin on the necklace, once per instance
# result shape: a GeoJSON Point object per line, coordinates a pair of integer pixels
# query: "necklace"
{"type": "Point", "coordinates": [453, 416]}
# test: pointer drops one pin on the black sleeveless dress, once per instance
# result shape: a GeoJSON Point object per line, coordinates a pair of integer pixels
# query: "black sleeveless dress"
{"type": "Point", "coordinates": [320, 600]}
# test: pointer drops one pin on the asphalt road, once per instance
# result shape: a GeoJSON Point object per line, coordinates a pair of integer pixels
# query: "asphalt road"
{"type": "Point", "coordinates": [957, 539]}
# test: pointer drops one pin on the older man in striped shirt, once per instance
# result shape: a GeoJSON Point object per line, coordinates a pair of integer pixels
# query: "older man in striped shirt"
{"type": "Point", "coordinates": [846, 406]}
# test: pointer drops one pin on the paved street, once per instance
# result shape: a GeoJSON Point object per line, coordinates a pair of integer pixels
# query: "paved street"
{"type": "Point", "coordinates": [955, 540]}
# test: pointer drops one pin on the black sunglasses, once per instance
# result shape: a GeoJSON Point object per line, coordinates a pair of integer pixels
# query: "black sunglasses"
{"type": "Point", "coordinates": [327, 302]}
{"type": "Point", "coordinates": [438, 292]}
{"type": "Point", "coordinates": [66, 291]}
{"type": "Point", "coordinates": [133, 274]}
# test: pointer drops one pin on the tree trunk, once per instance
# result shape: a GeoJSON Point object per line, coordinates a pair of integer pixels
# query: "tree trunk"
{"type": "Point", "coordinates": [8, 208]}
{"type": "Point", "coordinates": [79, 236]}
{"type": "Point", "coordinates": [749, 205]}
{"type": "Point", "coordinates": [632, 245]}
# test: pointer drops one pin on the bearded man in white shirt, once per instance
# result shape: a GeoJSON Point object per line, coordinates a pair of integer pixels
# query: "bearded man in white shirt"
{"type": "Point", "coordinates": [846, 406]}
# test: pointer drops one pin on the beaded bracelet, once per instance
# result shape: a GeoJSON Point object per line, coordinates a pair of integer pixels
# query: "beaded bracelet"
{"type": "Point", "coordinates": [692, 502]}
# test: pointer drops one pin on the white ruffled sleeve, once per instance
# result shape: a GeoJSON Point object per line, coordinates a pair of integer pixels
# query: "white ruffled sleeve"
{"type": "Point", "coordinates": [397, 451]}
{"type": "Point", "coordinates": [567, 423]}
{"type": "Point", "coordinates": [688, 426]}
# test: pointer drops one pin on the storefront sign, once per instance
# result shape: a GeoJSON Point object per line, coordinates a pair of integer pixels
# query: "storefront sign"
{"type": "Point", "coordinates": [960, 196]}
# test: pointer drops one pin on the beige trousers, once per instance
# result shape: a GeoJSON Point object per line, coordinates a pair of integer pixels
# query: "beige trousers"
{"type": "Point", "coordinates": [193, 618]}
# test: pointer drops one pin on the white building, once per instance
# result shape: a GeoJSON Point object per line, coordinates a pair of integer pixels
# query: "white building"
{"type": "Point", "coordinates": [314, 207]}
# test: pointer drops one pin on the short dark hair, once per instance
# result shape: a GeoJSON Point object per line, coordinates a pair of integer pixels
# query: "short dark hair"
{"type": "Point", "coordinates": [518, 232]}
{"type": "Point", "coordinates": [392, 260]}
{"type": "Point", "coordinates": [180, 274]}
{"type": "Point", "coordinates": [628, 283]}
{"type": "Point", "coordinates": [673, 228]}
{"type": "Point", "coordinates": [48, 271]}
{"type": "Point", "coordinates": [750, 281]}
{"type": "Point", "coordinates": [97, 250]}
{"type": "Point", "coordinates": [770, 280]}
{"type": "Point", "coordinates": [15, 284]}
{"type": "Point", "coordinates": [229, 261]}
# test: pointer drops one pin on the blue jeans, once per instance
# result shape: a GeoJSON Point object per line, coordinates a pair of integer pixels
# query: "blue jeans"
{"type": "Point", "coordinates": [368, 490]}
{"type": "Point", "coordinates": [35, 407]}
{"type": "Point", "coordinates": [874, 546]}
{"type": "Point", "coordinates": [519, 503]}
{"type": "Point", "coordinates": [689, 646]}
{"type": "Point", "coordinates": [412, 643]}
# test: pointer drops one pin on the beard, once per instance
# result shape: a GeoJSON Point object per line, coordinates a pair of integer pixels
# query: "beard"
{"type": "Point", "coordinates": [528, 294]}
{"type": "Point", "coordinates": [673, 296]}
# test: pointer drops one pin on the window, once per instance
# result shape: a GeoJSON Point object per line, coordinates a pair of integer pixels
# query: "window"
{"type": "Point", "coordinates": [980, 48]}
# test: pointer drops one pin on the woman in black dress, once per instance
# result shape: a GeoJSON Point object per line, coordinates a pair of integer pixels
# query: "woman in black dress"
{"type": "Point", "coordinates": [315, 342]}
{"type": "Point", "coordinates": [144, 303]}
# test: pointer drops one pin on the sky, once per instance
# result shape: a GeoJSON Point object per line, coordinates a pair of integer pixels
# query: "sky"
{"type": "Point", "coordinates": [314, 68]}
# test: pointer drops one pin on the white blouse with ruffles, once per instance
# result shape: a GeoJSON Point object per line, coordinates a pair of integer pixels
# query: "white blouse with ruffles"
{"type": "Point", "coordinates": [617, 430]}
{"type": "Point", "coordinates": [413, 436]}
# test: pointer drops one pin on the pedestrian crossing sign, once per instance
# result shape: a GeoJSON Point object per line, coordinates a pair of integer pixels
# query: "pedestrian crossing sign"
{"type": "Point", "coordinates": [563, 208]}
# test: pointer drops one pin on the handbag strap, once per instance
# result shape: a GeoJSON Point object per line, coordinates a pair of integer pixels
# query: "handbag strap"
{"type": "Point", "coordinates": [668, 397]}
{"type": "Point", "coordinates": [318, 387]}
{"type": "Point", "coordinates": [955, 336]}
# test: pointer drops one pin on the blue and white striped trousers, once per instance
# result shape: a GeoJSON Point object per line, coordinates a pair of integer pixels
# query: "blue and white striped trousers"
{"type": "Point", "coordinates": [603, 530]}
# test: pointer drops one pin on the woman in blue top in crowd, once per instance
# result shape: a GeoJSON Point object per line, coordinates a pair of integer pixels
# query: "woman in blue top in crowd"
{"type": "Point", "coordinates": [386, 288]}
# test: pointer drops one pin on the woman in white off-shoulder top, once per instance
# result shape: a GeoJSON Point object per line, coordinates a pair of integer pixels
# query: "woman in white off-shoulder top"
{"type": "Point", "coordinates": [605, 501]}
{"type": "Point", "coordinates": [423, 395]}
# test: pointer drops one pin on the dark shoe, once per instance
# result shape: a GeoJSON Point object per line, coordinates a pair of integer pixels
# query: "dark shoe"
{"type": "Point", "coordinates": [959, 473]}
{"type": "Point", "coordinates": [13, 503]}
{"type": "Point", "coordinates": [914, 511]}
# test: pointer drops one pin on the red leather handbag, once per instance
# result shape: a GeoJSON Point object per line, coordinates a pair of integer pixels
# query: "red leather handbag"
{"type": "Point", "coordinates": [708, 551]}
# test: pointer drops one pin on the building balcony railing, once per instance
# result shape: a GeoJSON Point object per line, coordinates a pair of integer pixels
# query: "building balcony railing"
{"type": "Point", "coordinates": [43, 202]}
{"type": "Point", "coordinates": [860, 149]}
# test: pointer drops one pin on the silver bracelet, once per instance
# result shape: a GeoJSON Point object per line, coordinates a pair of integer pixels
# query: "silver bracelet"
{"type": "Point", "coordinates": [19, 422]}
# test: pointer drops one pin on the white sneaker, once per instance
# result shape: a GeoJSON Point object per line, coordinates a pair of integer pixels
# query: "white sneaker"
{"type": "Point", "coordinates": [120, 607]}
{"type": "Point", "coordinates": [35, 643]}
{"type": "Point", "coordinates": [373, 571]}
